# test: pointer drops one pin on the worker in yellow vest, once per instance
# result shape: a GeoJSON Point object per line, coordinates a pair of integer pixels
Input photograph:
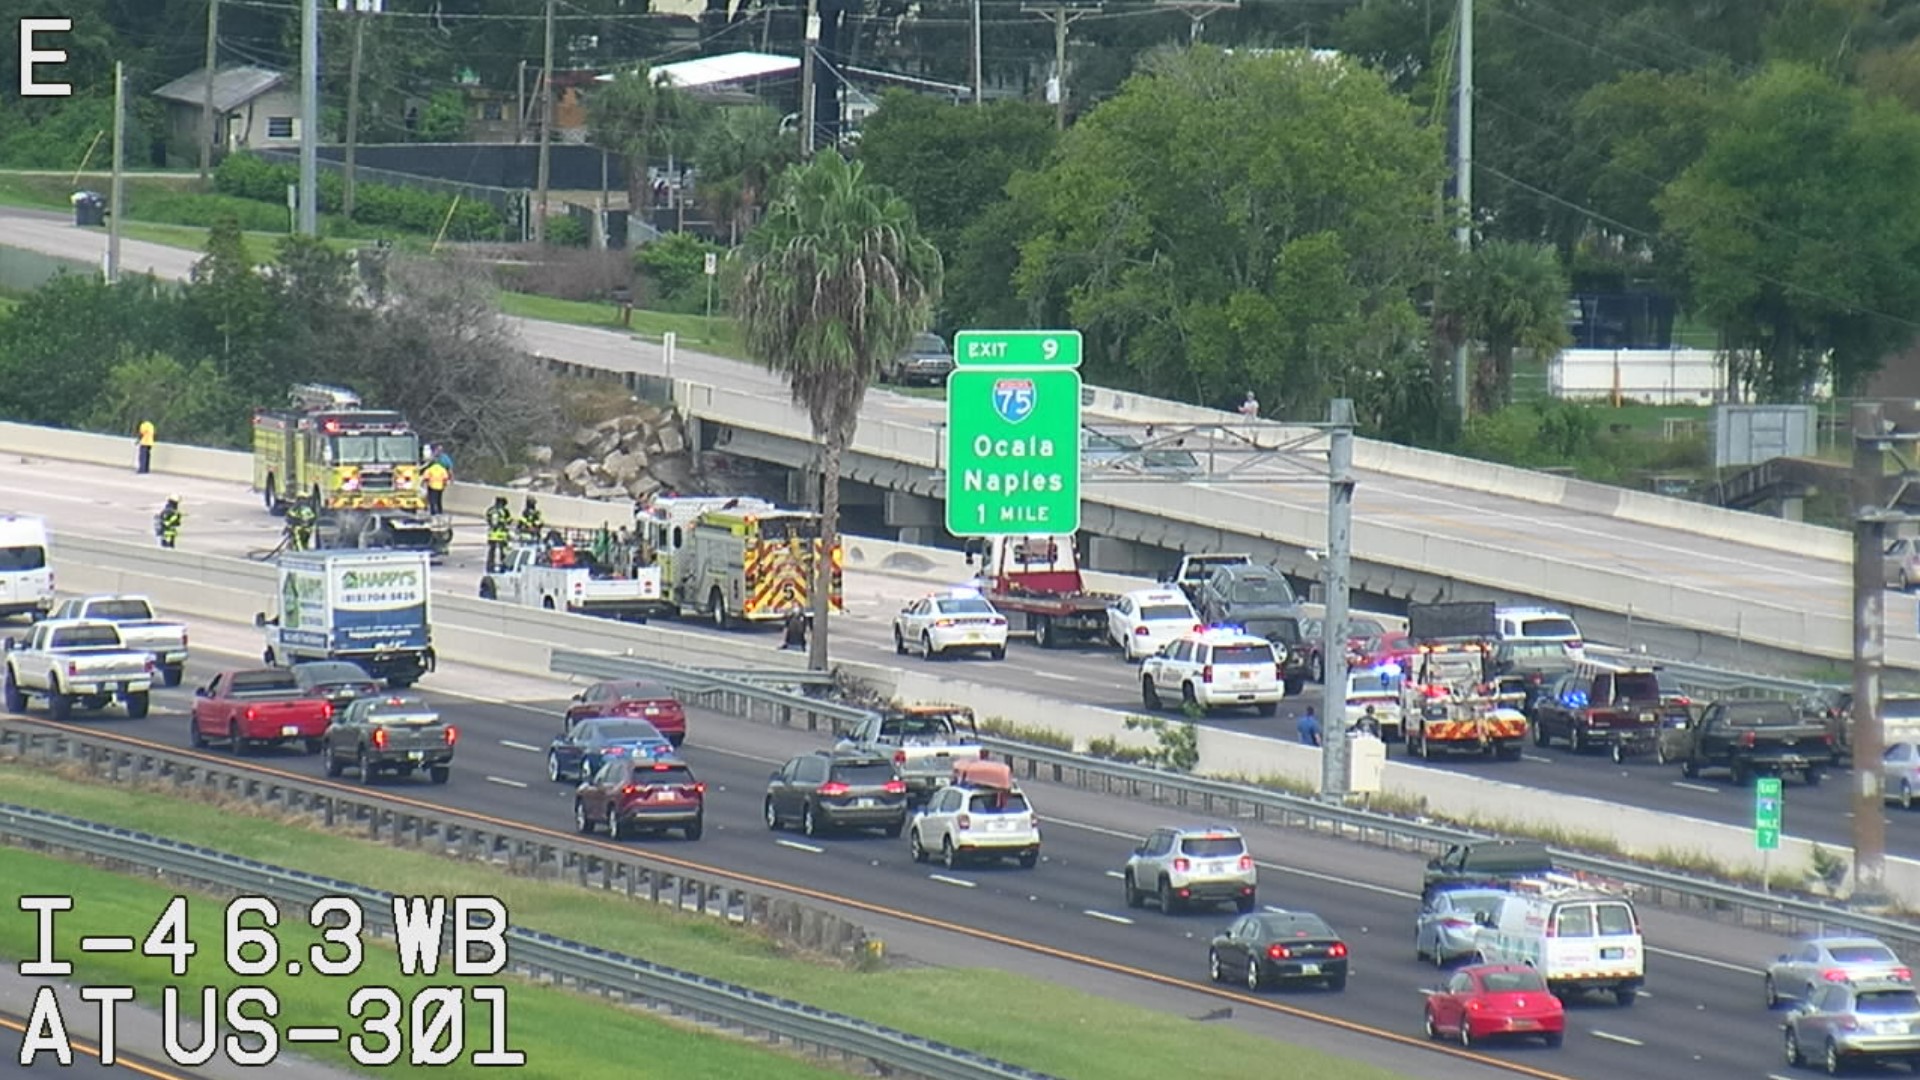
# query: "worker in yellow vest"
{"type": "Point", "coordinates": [146, 447]}
{"type": "Point", "coordinates": [436, 476]}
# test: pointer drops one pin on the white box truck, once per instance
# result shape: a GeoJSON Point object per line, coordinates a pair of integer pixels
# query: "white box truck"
{"type": "Point", "coordinates": [26, 567]}
{"type": "Point", "coordinates": [367, 607]}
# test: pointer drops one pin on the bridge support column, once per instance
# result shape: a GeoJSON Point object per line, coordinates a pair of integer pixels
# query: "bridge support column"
{"type": "Point", "coordinates": [920, 519]}
{"type": "Point", "coordinates": [1793, 508]}
{"type": "Point", "coordinates": [1117, 556]}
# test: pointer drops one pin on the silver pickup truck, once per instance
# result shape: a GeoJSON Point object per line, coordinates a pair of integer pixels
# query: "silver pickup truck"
{"type": "Point", "coordinates": [141, 629]}
{"type": "Point", "coordinates": [76, 664]}
{"type": "Point", "coordinates": [923, 741]}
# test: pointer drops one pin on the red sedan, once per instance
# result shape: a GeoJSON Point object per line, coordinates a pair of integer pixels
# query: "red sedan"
{"type": "Point", "coordinates": [1490, 1000]}
{"type": "Point", "coordinates": [635, 698]}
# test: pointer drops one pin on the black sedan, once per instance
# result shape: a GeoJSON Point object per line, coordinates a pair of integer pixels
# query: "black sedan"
{"type": "Point", "coordinates": [1269, 947]}
{"type": "Point", "coordinates": [822, 791]}
{"type": "Point", "coordinates": [337, 681]}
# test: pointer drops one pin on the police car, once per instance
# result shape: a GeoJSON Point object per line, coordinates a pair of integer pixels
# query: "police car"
{"type": "Point", "coordinates": [1140, 623]}
{"type": "Point", "coordinates": [1216, 667]}
{"type": "Point", "coordinates": [955, 620]}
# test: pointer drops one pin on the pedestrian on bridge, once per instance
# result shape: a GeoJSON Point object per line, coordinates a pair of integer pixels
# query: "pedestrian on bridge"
{"type": "Point", "coordinates": [145, 442]}
{"type": "Point", "coordinates": [436, 476]}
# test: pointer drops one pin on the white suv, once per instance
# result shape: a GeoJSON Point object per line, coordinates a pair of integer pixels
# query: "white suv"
{"type": "Point", "coordinates": [962, 821]}
{"type": "Point", "coordinates": [1538, 624]}
{"type": "Point", "coordinates": [1222, 667]}
{"type": "Point", "coordinates": [1197, 866]}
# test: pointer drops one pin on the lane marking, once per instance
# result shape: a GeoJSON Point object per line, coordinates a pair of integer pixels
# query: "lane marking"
{"type": "Point", "coordinates": [1104, 917]}
{"type": "Point", "coordinates": [1684, 786]}
{"type": "Point", "coordinates": [1610, 1037]}
{"type": "Point", "coordinates": [945, 880]}
{"type": "Point", "coordinates": [798, 846]}
{"type": "Point", "coordinates": [1275, 910]}
{"type": "Point", "coordinates": [1054, 675]}
{"type": "Point", "coordinates": [1537, 757]}
{"type": "Point", "coordinates": [531, 749]}
{"type": "Point", "coordinates": [1115, 874]}
{"type": "Point", "coordinates": [504, 782]}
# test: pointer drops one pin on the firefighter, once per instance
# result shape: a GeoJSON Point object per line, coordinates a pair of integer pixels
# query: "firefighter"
{"type": "Point", "coordinates": [530, 521]}
{"type": "Point", "coordinates": [499, 532]}
{"type": "Point", "coordinates": [796, 631]}
{"type": "Point", "coordinates": [167, 523]}
{"type": "Point", "coordinates": [436, 477]}
{"type": "Point", "coordinates": [302, 517]}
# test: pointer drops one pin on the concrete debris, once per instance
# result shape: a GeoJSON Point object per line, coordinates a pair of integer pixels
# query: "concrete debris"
{"type": "Point", "coordinates": [628, 458]}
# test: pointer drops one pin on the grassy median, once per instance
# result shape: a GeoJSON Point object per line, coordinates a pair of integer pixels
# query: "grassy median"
{"type": "Point", "coordinates": [1041, 1025]}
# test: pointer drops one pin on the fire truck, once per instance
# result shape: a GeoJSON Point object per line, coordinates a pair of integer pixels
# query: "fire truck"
{"type": "Point", "coordinates": [1448, 696]}
{"type": "Point", "coordinates": [734, 559]}
{"type": "Point", "coordinates": [362, 466]}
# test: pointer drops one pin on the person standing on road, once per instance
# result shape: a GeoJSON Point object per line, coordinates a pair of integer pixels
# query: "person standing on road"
{"type": "Point", "coordinates": [145, 442]}
{"type": "Point", "coordinates": [1309, 728]}
{"type": "Point", "coordinates": [531, 522]}
{"type": "Point", "coordinates": [302, 517]}
{"type": "Point", "coordinates": [167, 522]}
{"type": "Point", "coordinates": [436, 476]}
{"type": "Point", "coordinates": [499, 531]}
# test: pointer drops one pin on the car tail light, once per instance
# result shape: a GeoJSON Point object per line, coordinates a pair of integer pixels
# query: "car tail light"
{"type": "Point", "coordinates": [1455, 922]}
{"type": "Point", "coordinates": [899, 757]}
{"type": "Point", "coordinates": [1280, 671]}
{"type": "Point", "coordinates": [1246, 863]}
{"type": "Point", "coordinates": [1834, 975]}
{"type": "Point", "coordinates": [326, 710]}
{"type": "Point", "coordinates": [996, 621]}
{"type": "Point", "coordinates": [73, 667]}
{"type": "Point", "coordinates": [939, 623]}
{"type": "Point", "coordinates": [1475, 1004]}
{"type": "Point", "coordinates": [1278, 952]}
{"type": "Point", "coordinates": [697, 789]}
{"type": "Point", "coordinates": [453, 735]}
{"type": "Point", "coordinates": [630, 789]}
{"type": "Point", "coordinates": [1139, 631]}
{"type": "Point", "coordinates": [1206, 673]}
{"type": "Point", "coordinates": [895, 787]}
{"type": "Point", "coordinates": [251, 713]}
{"type": "Point", "coordinates": [1827, 738]}
{"type": "Point", "coordinates": [1748, 738]}
{"type": "Point", "coordinates": [1576, 643]}
{"type": "Point", "coordinates": [1181, 866]}
{"type": "Point", "coordinates": [964, 821]}
{"type": "Point", "coordinates": [1903, 974]}
{"type": "Point", "coordinates": [1197, 628]}
{"type": "Point", "coordinates": [833, 789]}
{"type": "Point", "coordinates": [379, 738]}
{"type": "Point", "coordinates": [985, 753]}
{"type": "Point", "coordinates": [149, 665]}
{"type": "Point", "coordinates": [183, 639]}
{"type": "Point", "coordinates": [1339, 950]}
{"type": "Point", "coordinates": [1550, 931]}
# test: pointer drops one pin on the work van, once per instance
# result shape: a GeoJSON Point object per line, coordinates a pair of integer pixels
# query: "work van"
{"type": "Point", "coordinates": [26, 567]}
{"type": "Point", "coordinates": [1578, 938]}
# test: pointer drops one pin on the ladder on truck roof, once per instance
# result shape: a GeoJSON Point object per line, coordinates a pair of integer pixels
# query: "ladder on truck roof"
{"type": "Point", "coordinates": [319, 397]}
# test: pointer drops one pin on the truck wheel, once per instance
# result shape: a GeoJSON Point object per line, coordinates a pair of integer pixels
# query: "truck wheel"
{"type": "Point", "coordinates": [695, 827]}
{"type": "Point", "coordinates": [1539, 734]}
{"type": "Point", "coordinates": [1576, 743]}
{"type": "Point", "coordinates": [998, 652]}
{"type": "Point", "coordinates": [365, 768]}
{"type": "Point", "coordinates": [270, 495]}
{"type": "Point", "coordinates": [16, 701]}
{"type": "Point", "coordinates": [171, 674]}
{"type": "Point", "coordinates": [195, 737]}
{"type": "Point", "coordinates": [1739, 773]}
{"type": "Point", "coordinates": [1294, 684]}
{"type": "Point", "coordinates": [1043, 631]}
{"type": "Point", "coordinates": [899, 643]}
{"type": "Point", "coordinates": [1660, 752]}
{"type": "Point", "coordinates": [1187, 696]}
{"type": "Point", "coordinates": [59, 705]}
{"type": "Point", "coordinates": [439, 773]}
{"type": "Point", "coordinates": [488, 590]}
{"type": "Point", "coordinates": [582, 823]}
{"type": "Point", "coordinates": [1149, 694]}
{"type": "Point", "coordinates": [1425, 749]}
{"type": "Point", "coordinates": [332, 763]}
{"type": "Point", "coordinates": [234, 742]}
{"type": "Point", "coordinates": [717, 607]}
{"type": "Point", "coordinates": [137, 705]}
{"type": "Point", "coordinates": [1619, 753]}
{"type": "Point", "coordinates": [547, 603]}
{"type": "Point", "coordinates": [1317, 671]}
{"type": "Point", "coordinates": [271, 660]}
{"type": "Point", "coordinates": [1271, 708]}
{"type": "Point", "coordinates": [1689, 768]}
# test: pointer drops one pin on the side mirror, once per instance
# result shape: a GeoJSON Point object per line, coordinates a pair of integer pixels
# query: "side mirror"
{"type": "Point", "coordinates": [259, 618]}
{"type": "Point", "coordinates": [201, 691]}
{"type": "Point", "coordinates": [1141, 850]}
{"type": "Point", "coordinates": [775, 776]}
{"type": "Point", "coordinates": [11, 644]}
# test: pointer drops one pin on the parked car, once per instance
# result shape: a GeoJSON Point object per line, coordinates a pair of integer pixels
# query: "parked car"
{"type": "Point", "coordinates": [640, 699]}
{"type": "Point", "coordinates": [1449, 923]}
{"type": "Point", "coordinates": [1488, 1000]}
{"type": "Point", "coordinates": [335, 681]}
{"type": "Point", "coordinates": [1216, 668]}
{"type": "Point", "coordinates": [1900, 774]}
{"type": "Point", "coordinates": [1821, 961]}
{"type": "Point", "coordinates": [1270, 947]}
{"type": "Point", "coordinates": [824, 790]}
{"type": "Point", "coordinates": [577, 753]}
{"type": "Point", "coordinates": [1140, 623]}
{"type": "Point", "coordinates": [1847, 1023]}
{"type": "Point", "coordinates": [1541, 624]}
{"type": "Point", "coordinates": [637, 794]}
{"type": "Point", "coordinates": [926, 359]}
{"type": "Point", "coordinates": [398, 735]}
{"type": "Point", "coordinates": [1181, 866]}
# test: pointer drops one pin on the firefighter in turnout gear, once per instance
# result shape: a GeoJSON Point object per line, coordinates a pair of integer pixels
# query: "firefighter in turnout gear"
{"type": "Point", "coordinates": [499, 532]}
{"type": "Point", "coordinates": [302, 517]}
{"type": "Point", "coordinates": [531, 524]}
{"type": "Point", "coordinates": [166, 524]}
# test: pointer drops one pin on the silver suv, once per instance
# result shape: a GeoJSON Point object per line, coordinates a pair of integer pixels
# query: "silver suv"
{"type": "Point", "coordinates": [1191, 865]}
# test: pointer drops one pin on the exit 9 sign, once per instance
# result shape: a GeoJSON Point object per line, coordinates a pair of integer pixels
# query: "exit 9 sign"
{"type": "Point", "coordinates": [1016, 349]}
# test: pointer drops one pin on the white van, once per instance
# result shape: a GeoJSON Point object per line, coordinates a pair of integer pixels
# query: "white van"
{"type": "Point", "coordinates": [26, 567]}
{"type": "Point", "coordinates": [1538, 624]}
{"type": "Point", "coordinates": [1579, 938]}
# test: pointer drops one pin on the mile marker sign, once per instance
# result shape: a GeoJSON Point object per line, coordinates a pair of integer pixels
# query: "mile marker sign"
{"type": "Point", "coordinates": [1013, 433]}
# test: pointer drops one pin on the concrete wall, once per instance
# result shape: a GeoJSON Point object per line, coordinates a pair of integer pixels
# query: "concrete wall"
{"type": "Point", "coordinates": [1655, 376]}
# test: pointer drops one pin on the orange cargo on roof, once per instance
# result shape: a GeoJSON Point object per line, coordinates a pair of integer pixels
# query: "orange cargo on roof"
{"type": "Point", "coordinates": [983, 774]}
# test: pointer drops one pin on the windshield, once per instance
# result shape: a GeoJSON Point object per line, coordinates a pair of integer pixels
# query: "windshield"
{"type": "Point", "coordinates": [87, 637]}
{"type": "Point", "coordinates": [119, 609]}
{"type": "Point", "coordinates": [1261, 590]}
{"type": "Point", "coordinates": [1212, 847]}
{"type": "Point", "coordinates": [1285, 631]}
{"type": "Point", "coordinates": [928, 345]}
{"type": "Point", "coordinates": [1513, 982]}
{"type": "Point", "coordinates": [263, 683]}
{"type": "Point", "coordinates": [1295, 926]}
{"type": "Point", "coordinates": [1863, 954]}
{"type": "Point", "coordinates": [321, 674]}
{"type": "Point", "coordinates": [997, 802]}
{"type": "Point", "coordinates": [964, 607]}
{"type": "Point", "coordinates": [783, 529]}
{"type": "Point", "coordinates": [875, 775]}
{"type": "Point", "coordinates": [1886, 1001]}
{"type": "Point", "coordinates": [635, 729]}
{"type": "Point", "coordinates": [1166, 612]}
{"type": "Point", "coordinates": [376, 449]}
{"type": "Point", "coordinates": [1228, 655]}
{"type": "Point", "coordinates": [16, 559]}
{"type": "Point", "coordinates": [1556, 627]}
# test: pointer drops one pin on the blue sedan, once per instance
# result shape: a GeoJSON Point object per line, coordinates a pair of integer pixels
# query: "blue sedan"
{"type": "Point", "coordinates": [579, 753]}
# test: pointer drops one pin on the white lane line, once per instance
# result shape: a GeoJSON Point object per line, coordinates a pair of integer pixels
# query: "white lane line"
{"type": "Point", "coordinates": [798, 846]}
{"type": "Point", "coordinates": [1696, 787]}
{"type": "Point", "coordinates": [1537, 757]}
{"type": "Point", "coordinates": [1115, 874]}
{"type": "Point", "coordinates": [1275, 910]}
{"type": "Point", "coordinates": [1054, 675]}
{"type": "Point", "coordinates": [529, 748]}
{"type": "Point", "coordinates": [1610, 1037]}
{"type": "Point", "coordinates": [1104, 917]}
{"type": "Point", "coordinates": [504, 782]}
{"type": "Point", "coordinates": [945, 880]}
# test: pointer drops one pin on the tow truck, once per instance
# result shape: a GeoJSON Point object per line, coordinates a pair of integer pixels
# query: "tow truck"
{"type": "Point", "coordinates": [1449, 701]}
{"type": "Point", "coordinates": [1035, 582]}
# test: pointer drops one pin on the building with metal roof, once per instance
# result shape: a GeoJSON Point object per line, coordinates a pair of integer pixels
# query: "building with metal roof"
{"type": "Point", "coordinates": [253, 108]}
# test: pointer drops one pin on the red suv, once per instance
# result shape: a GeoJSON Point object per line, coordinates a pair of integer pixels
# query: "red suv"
{"type": "Point", "coordinates": [644, 795]}
{"type": "Point", "coordinates": [636, 698]}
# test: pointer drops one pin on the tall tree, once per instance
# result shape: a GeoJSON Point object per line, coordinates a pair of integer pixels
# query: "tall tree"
{"type": "Point", "coordinates": [737, 158]}
{"type": "Point", "coordinates": [1800, 231]}
{"type": "Point", "coordinates": [1507, 296]}
{"type": "Point", "coordinates": [237, 305]}
{"type": "Point", "coordinates": [838, 279]}
{"type": "Point", "coordinates": [633, 116]}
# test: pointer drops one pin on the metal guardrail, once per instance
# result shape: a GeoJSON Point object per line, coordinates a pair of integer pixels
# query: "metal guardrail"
{"type": "Point", "coordinates": [724, 690]}
{"type": "Point", "coordinates": [1702, 680]}
{"type": "Point", "coordinates": [530, 952]}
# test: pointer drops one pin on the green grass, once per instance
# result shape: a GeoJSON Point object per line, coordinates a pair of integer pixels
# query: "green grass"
{"type": "Point", "coordinates": [562, 1034]}
{"type": "Point", "coordinates": [1038, 1024]}
{"type": "Point", "coordinates": [7, 304]}
{"type": "Point", "coordinates": [50, 191]}
{"type": "Point", "coordinates": [717, 335]}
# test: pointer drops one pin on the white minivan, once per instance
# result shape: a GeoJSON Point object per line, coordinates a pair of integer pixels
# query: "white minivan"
{"type": "Point", "coordinates": [26, 567]}
{"type": "Point", "coordinates": [1538, 624]}
{"type": "Point", "coordinates": [1580, 939]}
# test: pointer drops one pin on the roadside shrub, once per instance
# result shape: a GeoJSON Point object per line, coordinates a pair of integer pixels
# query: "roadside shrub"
{"type": "Point", "coordinates": [414, 210]}
{"type": "Point", "coordinates": [676, 265]}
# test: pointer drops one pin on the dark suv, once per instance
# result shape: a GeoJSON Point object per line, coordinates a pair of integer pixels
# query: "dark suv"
{"type": "Point", "coordinates": [823, 791]}
{"type": "Point", "coordinates": [1260, 601]}
{"type": "Point", "coordinates": [630, 795]}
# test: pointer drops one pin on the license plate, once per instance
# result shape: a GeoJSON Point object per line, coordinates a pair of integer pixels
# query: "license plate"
{"type": "Point", "coordinates": [1221, 867]}
{"type": "Point", "coordinates": [289, 730]}
{"type": "Point", "coordinates": [415, 755]}
{"type": "Point", "coordinates": [110, 688]}
{"type": "Point", "coordinates": [1891, 1027]}
{"type": "Point", "coordinates": [1245, 675]}
{"type": "Point", "coordinates": [863, 803]}
{"type": "Point", "coordinates": [1523, 1022]}
{"type": "Point", "coordinates": [1309, 969]}
{"type": "Point", "coordinates": [1613, 954]}
{"type": "Point", "coordinates": [663, 796]}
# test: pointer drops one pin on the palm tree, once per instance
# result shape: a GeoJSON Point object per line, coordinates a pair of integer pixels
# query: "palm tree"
{"type": "Point", "coordinates": [1509, 296]}
{"type": "Point", "coordinates": [838, 279]}
{"type": "Point", "coordinates": [738, 157]}
{"type": "Point", "coordinates": [636, 115]}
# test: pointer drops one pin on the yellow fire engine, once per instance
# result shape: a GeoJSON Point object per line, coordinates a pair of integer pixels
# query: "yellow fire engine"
{"type": "Point", "coordinates": [735, 559]}
{"type": "Point", "coordinates": [325, 444]}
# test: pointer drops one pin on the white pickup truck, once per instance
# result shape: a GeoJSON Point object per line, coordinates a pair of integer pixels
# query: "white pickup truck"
{"type": "Point", "coordinates": [585, 588]}
{"type": "Point", "coordinates": [925, 742]}
{"type": "Point", "coordinates": [141, 629]}
{"type": "Point", "coordinates": [76, 663]}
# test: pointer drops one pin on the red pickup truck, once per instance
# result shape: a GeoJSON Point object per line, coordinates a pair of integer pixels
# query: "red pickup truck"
{"type": "Point", "coordinates": [257, 708]}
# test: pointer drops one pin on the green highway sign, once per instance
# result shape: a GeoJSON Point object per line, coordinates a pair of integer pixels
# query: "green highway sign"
{"type": "Point", "coordinates": [1768, 812]}
{"type": "Point", "coordinates": [1017, 348]}
{"type": "Point", "coordinates": [1013, 450]}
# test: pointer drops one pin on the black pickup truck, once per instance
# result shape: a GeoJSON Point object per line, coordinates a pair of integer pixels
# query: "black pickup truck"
{"type": "Point", "coordinates": [1751, 738]}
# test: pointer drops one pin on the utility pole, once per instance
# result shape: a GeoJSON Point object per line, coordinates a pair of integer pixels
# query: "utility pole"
{"type": "Point", "coordinates": [807, 49]}
{"type": "Point", "coordinates": [357, 11]}
{"type": "Point", "coordinates": [207, 134]}
{"type": "Point", "coordinates": [1061, 13]}
{"type": "Point", "coordinates": [1335, 750]}
{"type": "Point", "coordinates": [117, 192]}
{"type": "Point", "coordinates": [1463, 185]}
{"type": "Point", "coordinates": [309, 117]}
{"type": "Point", "coordinates": [979, 77]}
{"type": "Point", "coordinates": [546, 131]}
{"type": "Point", "coordinates": [1197, 11]}
{"type": "Point", "coordinates": [520, 103]}
{"type": "Point", "coordinates": [1871, 514]}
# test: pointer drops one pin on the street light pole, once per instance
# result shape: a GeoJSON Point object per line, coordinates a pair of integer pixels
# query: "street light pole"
{"type": "Point", "coordinates": [309, 117]}
{"type": "Point", "coordinates": [1870, 515]}
{"type": "Point", "coordinates": [1335, 766]}
{"type": "Point", "coordinates": [116, 193]}
{"type": "Point", "coordinates": [1463, 186]}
